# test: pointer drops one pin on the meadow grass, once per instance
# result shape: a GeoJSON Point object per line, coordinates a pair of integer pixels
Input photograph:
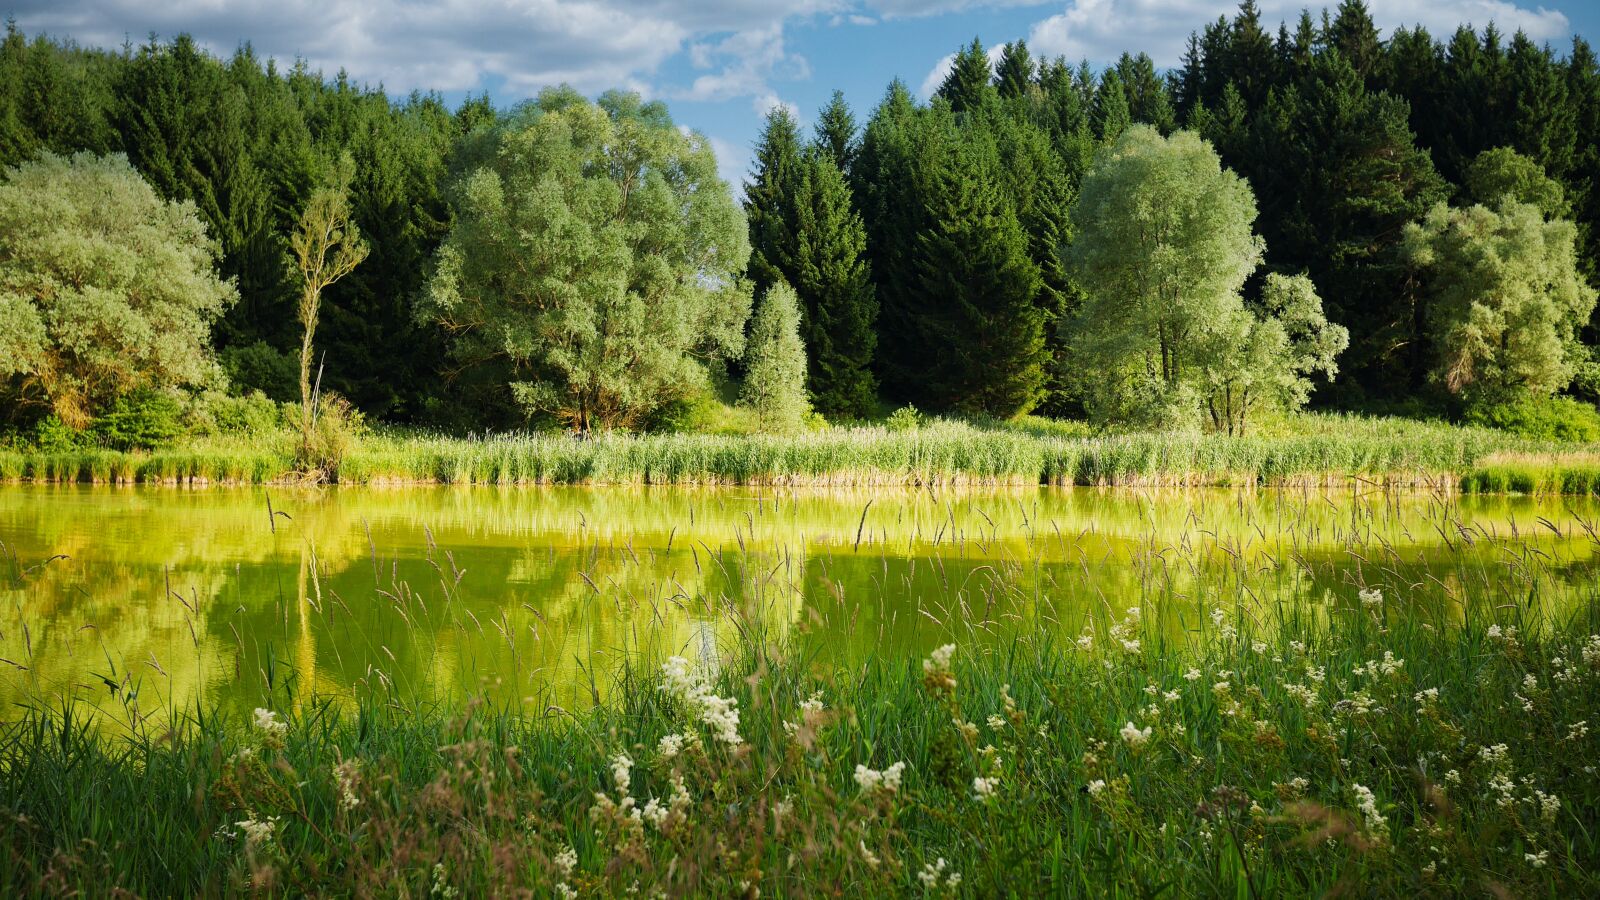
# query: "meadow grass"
{"type": "Point", "coordinates": [1313, 449]}
{"type": "Point", "coordinates": [1385, 758]}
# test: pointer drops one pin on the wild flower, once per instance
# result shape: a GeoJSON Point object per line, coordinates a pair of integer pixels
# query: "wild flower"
{"type": "Point", "coordinates": [566, 861]}
{"type": "Point", "coordinates": [1096, 787]}
{"type": "Point", "coordinates": [887, 780]}
{"type": "Point", "coordinates": [621, 769]}
{"type": "Point", "coordinates": [1371, 597]}
{"type": "Point", "coordinates": [935, 872]}
{"type": "Point", "coordinates": [1577, 730]}
{"type": "Point", "coordinates": [871, 858]}
{"type": "Point", "coordinates": [344, 775]}
{"type": "Point", "coordinates": [1301, 693]}
{"type": "Point", "coordinates": [995, 723]}
{"type": "Point", "coordinates": [441, 884]}
{"type": "Point", "coordinates": [1537, 860]}
{"type": "Point", "coordinates": [812, 705]}
{"type": "Point", "coordinates": [720, 714]}
{"type": "Point", "coordinates": [1377, 825]}
{"type": "Point", "coordinates": [1171, 696]}
{"type": "Point", "coordinates": [984, 788]}
{"type": "Point", "coordinates": [1258, 647]}
{"type": "Point", "coordinates": [1192, 675]}
{"type": "Point", "coordinates": [268, 724]}
{"type": "Point", "coordinates": [671, 745]}
{"type": "Point", "coordinates": [1549, 805]}
{"type": "Point", "coordinates": [1135, 737]}
{"type": "Point", "coordinates": [936, 672]}
{"type": "Point", "coordinates": [259, 834]}
{"type": "Point", "coordinates": [1591, 651]}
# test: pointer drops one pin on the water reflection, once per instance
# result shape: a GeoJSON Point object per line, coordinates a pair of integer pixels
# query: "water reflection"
{"type": "Point", "coordinates": [153, 597]}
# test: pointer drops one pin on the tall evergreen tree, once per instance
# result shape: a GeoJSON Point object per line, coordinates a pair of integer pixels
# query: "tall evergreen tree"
{"type": "Point", "coordinates": [1014, 74]}
{"type": "Point", "coordinates": [1111, 115]}
{"type": "Point", "coordinates": [837, 132]}
{"type": "Point", "coordinates": [967, 83]}
{"type": "Point", "coordinates": [769, 200]}
{"type": "Point", "coordinates": [982, 334]}
{"type": "Point", "coordinates": [839, 307]}
{"type": "Point", "coordinates": [775, 363]}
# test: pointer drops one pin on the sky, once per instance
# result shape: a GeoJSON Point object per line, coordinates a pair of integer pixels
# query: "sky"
{"type": "Point", "coordinates": [720, 65]}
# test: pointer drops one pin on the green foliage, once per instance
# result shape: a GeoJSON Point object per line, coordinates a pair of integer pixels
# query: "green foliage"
{"type": "Point", "coordinates": [329, 433]}
{"type": "Point", "coordinates": [775, 363]}
{"type": "Point", "coordinates": [1505, 298]}
{"type": "Point", "coordinates": [218, 413]}
{"type": "Point", "coordinates": [1540, 418]}
{"type": "Point", "coordinates": [769, 200]}
{"type": "Point", "coordinates": [967, 85]}
{"type": "Point", "coordinates": [1164, 246]}
{"type": "Point", "coordinates": [595, 256]}
{"type": "Point", "coordinates": [260, 367]}
{"type": "Point", "coordinates": [981, 331]}
{"type": "Point", "coordinates": [906, 418]}
{"type": "Point", "coordinates": [839, 307]}
{"type": "Point", "coordinates": [1502, 173]}
{"type": "Point", "coordinates": [1265, 359]}
{"type": "Point", "coordinates": [140, 421]}
{"type": "Point", "coordinates": [104, 289]}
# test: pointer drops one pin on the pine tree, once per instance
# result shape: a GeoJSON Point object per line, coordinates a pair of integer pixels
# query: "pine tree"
{"type": "Point", "coordinates": [836, 132]}
{"type": "Point", "coordinates": [1355, 36]}
{"type": "Point", "coordinates": [967, 83]}
{"type": "Point", "coordinates": [1014, 73]}
{"type": "Point", "coordinates": [839, 307]}
{"type": "Point", "coordinates": [982, 334]}
{"type": "Point", "coordinates": [775, 362]}
{"type": "Point", "coordinates": [769, 200]}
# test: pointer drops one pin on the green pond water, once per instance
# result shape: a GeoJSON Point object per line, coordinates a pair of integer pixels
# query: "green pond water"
{"type": "Point", "coordinates": [140, 600]}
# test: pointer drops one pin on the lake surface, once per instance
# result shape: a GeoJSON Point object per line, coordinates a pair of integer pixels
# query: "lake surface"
{"type": "Point", "coordinates": [144, 599]}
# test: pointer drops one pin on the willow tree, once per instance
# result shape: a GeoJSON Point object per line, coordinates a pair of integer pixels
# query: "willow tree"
{"type": "Point", "coordinates": [104, 288]}
{"type": "Point", "coordinates": [1164, 246]}
{"type": "Point", "coordinates": [595, 259]}
{"type": "Point", "coordinates": [1504, 298]}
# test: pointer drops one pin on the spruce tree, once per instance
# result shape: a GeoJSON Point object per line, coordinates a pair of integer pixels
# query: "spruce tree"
{"type": "Point", "coordinates": [836, 132]}
{"type": "Point", "coordinates": [967, 83]}
{"type": "Point", "coordinates": [1111, 116]}
{"type": "Point", "coordinates": [769, 200]}
{"type": "Point", "coordinates": [982, 334]}
{"type": "Point", "coordinates": [1014, 73]}
{"type": "Point", "coordinates": [775, 363]}
{"type": "Point", "coordinates": [839, 307]}
{"type": "Point", "coordinates": [900, 146]}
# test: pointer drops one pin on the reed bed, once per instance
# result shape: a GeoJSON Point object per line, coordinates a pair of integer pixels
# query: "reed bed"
{"type": "Point", "coordinates": [1317, 450]}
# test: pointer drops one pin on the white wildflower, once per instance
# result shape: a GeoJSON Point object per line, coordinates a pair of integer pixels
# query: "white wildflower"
{"type": "Point", "coordinates": [983, 788]}
{"type": "Point", "coordinates": [1370, 598]}
{"type": "Point", "coordinates": [267, 722]}
{"type": "Point", "coordinates": [1134, 737]}
{"type": "Point", "coordinates": [621, 769]}
{"type": "Point", "coordinates": [720, 714]}
{"type": "Point", "coordinates": [874, 779]}
{"type": "Point", "coordinates": [1368, 804]}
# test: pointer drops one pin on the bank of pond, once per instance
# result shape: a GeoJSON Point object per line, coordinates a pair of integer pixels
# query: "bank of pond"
{"type": "Point", "coordinates": [1333, 451]}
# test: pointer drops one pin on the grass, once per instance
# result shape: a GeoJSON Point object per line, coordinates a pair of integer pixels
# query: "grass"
{"type": "Point", "coordinates": [1372, 734]}
{"type": "Point", "coordinates": [1114, 775]}
{"type": "Point", "coordinates": [1315, 449]}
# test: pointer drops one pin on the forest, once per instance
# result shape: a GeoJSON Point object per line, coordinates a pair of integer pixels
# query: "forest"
{"type": "Point", "coordinates": [1307, 213]}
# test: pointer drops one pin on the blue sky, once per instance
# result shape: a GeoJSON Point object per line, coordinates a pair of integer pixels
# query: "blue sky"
{"type": "Point", "coordinates": [719, 64]}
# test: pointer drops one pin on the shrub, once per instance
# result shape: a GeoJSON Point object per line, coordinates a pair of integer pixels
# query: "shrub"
{"type": "Point", "coordinates": [261, 367]}
{"type": "Point", "coordinates": [214, 412]}
{"type": "Point", "coordinates": [906, 418]}
{"type": "Point", "coordinates": [52, 435]}
{"type": "Point", "coordinates": [322, 448]}
{"type": "Point", "coordinates": [140, 421]}
{"type": "Point", "coordinates": [1551, 419]}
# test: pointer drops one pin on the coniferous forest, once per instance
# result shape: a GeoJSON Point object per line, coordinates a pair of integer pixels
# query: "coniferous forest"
{"type": "Point", "coordinates": [1328, 196]}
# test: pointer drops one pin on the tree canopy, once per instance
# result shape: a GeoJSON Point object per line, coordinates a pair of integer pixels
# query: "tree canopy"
{"type": "Point", "coordinates": [105, 289]}
{"type": "Point", "coordinates": [595, 260]}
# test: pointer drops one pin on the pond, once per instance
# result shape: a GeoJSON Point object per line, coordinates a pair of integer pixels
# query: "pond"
{"type": "Point", "coordinates": [140, 600]}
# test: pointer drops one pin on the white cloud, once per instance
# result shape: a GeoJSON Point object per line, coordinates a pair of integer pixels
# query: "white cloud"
{"type": "Point", "coordinates": [457, 45]}
{"type": "Point", "coordinates": [1101, 30]}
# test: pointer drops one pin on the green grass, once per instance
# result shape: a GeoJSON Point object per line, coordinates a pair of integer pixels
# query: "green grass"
{"type": "Point", "coordinates": [1241, 789]}
{"type": "Point", "coordinates": [1306, 449]}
